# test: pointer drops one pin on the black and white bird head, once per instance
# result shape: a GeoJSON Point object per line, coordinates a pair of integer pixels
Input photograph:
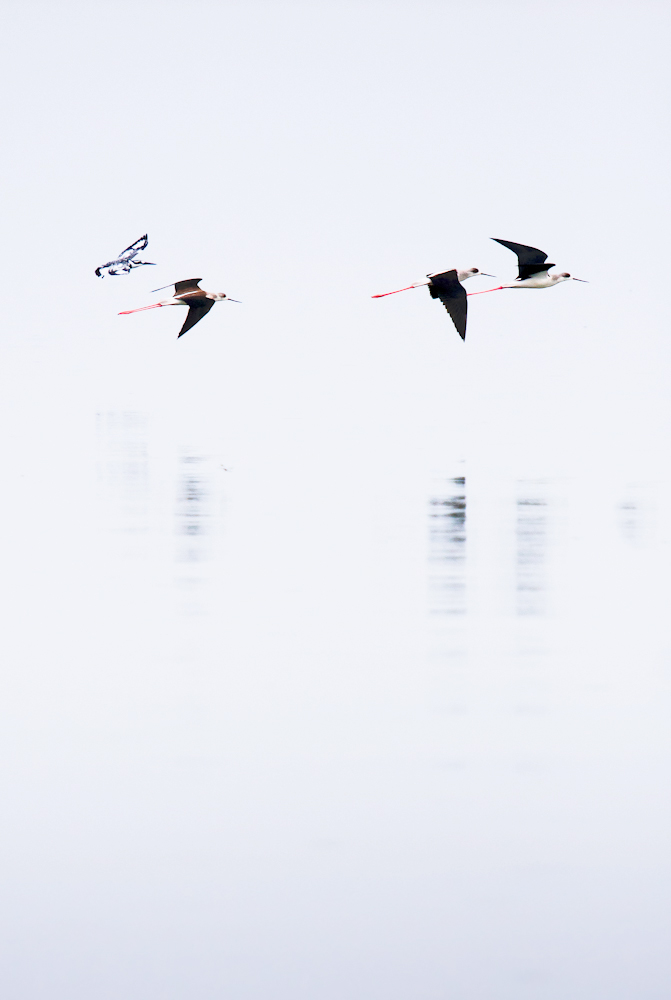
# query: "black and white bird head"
{"type": "Point", "coordinates": [463, 273]}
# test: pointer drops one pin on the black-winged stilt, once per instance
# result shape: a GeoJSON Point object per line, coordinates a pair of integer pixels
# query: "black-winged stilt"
{"type": "Point", "coordinates": [532, 267]}
{"type": "Point", "coordinates": [187, 293]}
{"type": "Point", "coordinates": [446, 286]}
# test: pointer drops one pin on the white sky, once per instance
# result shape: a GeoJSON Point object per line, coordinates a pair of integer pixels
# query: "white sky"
{"type": "Point", "coordinates": [304, 157]}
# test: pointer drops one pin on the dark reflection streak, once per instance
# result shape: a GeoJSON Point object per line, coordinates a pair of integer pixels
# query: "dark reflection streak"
{"type": "Point", "coordinates": [447, 537]}
{"type": "Point", "coordinates": [192, 513]}
{"type": "Point", "coordinates": [531, 554]}
{"type": "Point", "coordinates": [633, 522]}
{"type": "Point", "coordinates": [193, 517]}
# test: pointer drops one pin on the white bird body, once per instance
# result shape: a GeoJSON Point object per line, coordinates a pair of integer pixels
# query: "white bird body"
{"type": "Point", "coordinates": [540, 280]}
{"type": "Point", "coordinates": [182, 300]}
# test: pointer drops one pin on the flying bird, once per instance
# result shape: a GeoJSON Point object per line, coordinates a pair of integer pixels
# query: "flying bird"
{"type": "Point", "coordinates": [187, 293]}
{"type": "Point", "coordinates": [532, 268]}
{"type": "Point", "coordinates": [126, 260]}
{"type": "Point", "coordinates": [446, 286]}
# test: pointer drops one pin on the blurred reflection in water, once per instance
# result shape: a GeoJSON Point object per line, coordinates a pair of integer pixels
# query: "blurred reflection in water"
{"type": "Point", "coordinates": [165, 507]}
{"type": "Point", "coordinates": [447, 553]}
{"type": "Point", "coordinates": [532, 530]}
{"type": "Point", "coordinates": [502, 796]}
{"type": "Point", "coordinates": [195, 526]}
{"type": "Point", "coordinates": [123, 470]}
{"type": "Point", "coordinates": [192, 510]}
{"type": "Point", "coordinates": [635, 512]}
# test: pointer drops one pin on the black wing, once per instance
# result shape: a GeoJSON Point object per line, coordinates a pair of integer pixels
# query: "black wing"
{"type": "Point", "coordinates": [196, 313]}
{"type": "Point", "coordinates": [529, 259]}
{"type": "Point", "coordinates": [140, 244]}
{"type": "Point", "coordinates": [452, 294]}
{"type": "Point", "coordinates": [188, 285]}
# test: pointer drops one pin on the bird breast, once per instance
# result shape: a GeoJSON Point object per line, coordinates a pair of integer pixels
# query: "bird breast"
{"type": "Point", "coordinates": [538, 281]}
{"type": "Point", "coordinates": [174, 300]}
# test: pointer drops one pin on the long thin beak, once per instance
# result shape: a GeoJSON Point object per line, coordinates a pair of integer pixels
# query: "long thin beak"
{"type": "Point", "coordinates": [417, 284]}
{"type": "Point", "coordinates": [485, 275]}
{"type": "Point", "coordinates": [582, 280]}
{"type": "Point", "coordinates": [233, 300]}
{"type": "Point", "coordinates": [127, 312]}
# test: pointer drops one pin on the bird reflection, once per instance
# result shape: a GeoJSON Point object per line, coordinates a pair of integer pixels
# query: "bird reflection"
{"type": "Point", "coordinates": [123, 470]}
{"type": "Point", "coordinates": [193, 517]}
{"type": "Point", "coordinates": [630, 521]}
{"type": "Point", "coordinates": [448, 548]}
{"type": "Point", "coordinates": [532, 531]}
{"type": "Point", "coordinates": [637, 514]}
{"type": "Point", "coordinates": [193, 510]}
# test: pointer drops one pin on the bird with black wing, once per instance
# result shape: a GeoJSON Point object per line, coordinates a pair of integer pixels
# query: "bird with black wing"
{"type": "Point", "coordinates": [446, 286]}
{"type": "Point", "coordinates": [187, 293]}
{"type": "Point", "coordinates": [126, 260]}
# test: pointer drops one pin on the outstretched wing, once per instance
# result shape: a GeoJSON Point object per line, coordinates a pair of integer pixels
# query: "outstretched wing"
{"type": "Point", "coordinates": [452, 294]}
{"type": "Point", "coordinates": [188, 285]}
{"type": "Point", "coordinates": [529, 259]}
{"type": "Point", "coordinates": [134, 248]}
{"type": "Point", "coordinates": [195, 314]}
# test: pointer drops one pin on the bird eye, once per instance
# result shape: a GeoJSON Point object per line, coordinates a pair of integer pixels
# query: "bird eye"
{"type": "Point", "coordinates": [565, 275]}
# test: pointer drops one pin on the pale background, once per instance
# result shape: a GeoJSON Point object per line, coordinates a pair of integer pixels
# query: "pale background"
{"type": "Point", "coordinates": [268, 730]}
